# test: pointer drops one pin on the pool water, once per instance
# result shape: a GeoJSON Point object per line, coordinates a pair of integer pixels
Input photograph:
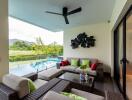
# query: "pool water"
{"type": "Point", "coordinates": [23, 69]}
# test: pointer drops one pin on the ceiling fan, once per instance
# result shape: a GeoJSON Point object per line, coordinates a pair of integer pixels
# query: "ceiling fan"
{"type": "Point", "coordinates": [65, 13]}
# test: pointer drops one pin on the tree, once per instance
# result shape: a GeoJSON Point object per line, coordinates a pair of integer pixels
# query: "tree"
{"type": "Point", "coordinates": [39, 47]}
{"type": "Point", "coordinates": [21, 45]}
{"type": "Point", "coordinates": [49, 50]}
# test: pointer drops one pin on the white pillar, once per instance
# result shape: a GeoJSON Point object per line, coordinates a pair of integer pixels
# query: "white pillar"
{"type": "Point", "coordinates": [4, 56]}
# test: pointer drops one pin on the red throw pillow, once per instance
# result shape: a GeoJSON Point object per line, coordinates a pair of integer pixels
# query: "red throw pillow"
{"type": "Point", "coordinates": [93, 66]}
{"type": "Point", "coordinates": [61, 64]}
{"type": "Point", "coordinates": [67, 62]}
{"type": "Point", "coordinates": [64, 63]}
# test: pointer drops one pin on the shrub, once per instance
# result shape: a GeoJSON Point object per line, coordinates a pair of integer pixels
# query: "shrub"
{"type": "Point", "coordinates": [26, 57]}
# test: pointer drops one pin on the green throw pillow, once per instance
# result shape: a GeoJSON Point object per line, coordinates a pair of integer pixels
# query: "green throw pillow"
{"type": "Point", "coordinates": [73, 96]}
{"type": "Point", "coordinates": [31, 86]}
{"type": "Point", "coordinates": [74, 62]}
{"type": "Point", "coordinates": [85, 62]}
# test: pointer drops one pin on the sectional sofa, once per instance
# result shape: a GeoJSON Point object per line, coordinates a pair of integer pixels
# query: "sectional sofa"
{"type": "Point", "coordinates": [51, 90]}
{"type": "Point", "coordinates": [52, 73]}
{"type": "Point", "coordinates": [49, 87]}
{"type": "Point", "coordinates": [97, 72]}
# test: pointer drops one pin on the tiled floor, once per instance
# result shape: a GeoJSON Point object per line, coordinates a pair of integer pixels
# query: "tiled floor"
{"type": "Point", "coordinates": [107, 84]}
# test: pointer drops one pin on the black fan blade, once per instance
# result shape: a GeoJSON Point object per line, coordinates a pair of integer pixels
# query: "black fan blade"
{"type": "Point", "coordinates": [74, 11]}
{"type": "Point", "coordinates": [66, 19]}
{"type": "Point", "coordinates": [53, 13]}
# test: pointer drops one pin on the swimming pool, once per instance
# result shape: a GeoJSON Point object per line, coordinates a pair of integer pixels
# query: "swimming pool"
{"type": "Point", "coordinates": [23, 69]}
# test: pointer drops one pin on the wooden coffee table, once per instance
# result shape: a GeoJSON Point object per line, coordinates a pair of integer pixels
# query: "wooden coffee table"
{"type": "Point", "coordinates": [74, 78]}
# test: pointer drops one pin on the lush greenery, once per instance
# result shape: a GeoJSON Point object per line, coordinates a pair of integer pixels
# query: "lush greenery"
{"type": "Point", "coordinates": [26, 57]}
{"type": "Point", "coordinates": [21, 45]}
{"type": "Point", "coordinates": [21, 51]}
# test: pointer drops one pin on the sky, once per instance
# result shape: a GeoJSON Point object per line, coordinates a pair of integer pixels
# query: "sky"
{"type": "Point", "coordinates": [28, 32]}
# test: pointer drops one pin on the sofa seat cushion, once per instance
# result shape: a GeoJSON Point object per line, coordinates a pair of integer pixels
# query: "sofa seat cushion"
{"type": "Point", "coordinates": [49, 74]}
{"type": "Point", "coordinates": [51, 95]}
{"type": "Point", "coordinates": [17, 83]}
{"type": "Point", "coordinates": [88, 70]}
{"type": "Point", "coordinates": [38, 83]}
{"type": "Point", "coordinates": [87, 95]}
{"type": "Point", "coordinates": [68, 68]}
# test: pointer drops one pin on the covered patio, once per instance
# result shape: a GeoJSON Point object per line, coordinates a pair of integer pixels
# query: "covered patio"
{"type": "Point", "coordinates": [89, 28]}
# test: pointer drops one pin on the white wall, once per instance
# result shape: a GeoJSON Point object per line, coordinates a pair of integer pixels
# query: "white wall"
{"type": "Point", "coordinates": [101, 51]}
{"type": "Point", "coordinates": [4, 67]}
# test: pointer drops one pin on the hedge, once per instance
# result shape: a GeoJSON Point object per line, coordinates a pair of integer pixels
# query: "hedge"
{"type": "Point", "coordinates": [26, 57]}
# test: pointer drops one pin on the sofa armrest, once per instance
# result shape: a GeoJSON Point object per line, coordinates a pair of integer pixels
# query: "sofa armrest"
{"type": "Point", "coordinates": [42, 90]}
{"type": "Point", "coordinates": [7, 93]}
{"type": "Point", "coordinates": [32, 76]}
{"type": "Point", "coordinates": [58, 65]}
{"type": "Point", "coordinates": [100, 72]}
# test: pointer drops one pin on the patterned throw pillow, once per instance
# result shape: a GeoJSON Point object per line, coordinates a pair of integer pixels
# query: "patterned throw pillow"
{"type": "Point", "coordinates": [85, 62]}
{"type": "Point", "coordinates": [31, 86]}
{"type": "Point", "coordinates": [74, 62]}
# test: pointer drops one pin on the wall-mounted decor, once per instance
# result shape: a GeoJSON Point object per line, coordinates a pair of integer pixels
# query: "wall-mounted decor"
{"type": "Point", "coordinates": [83, 40]}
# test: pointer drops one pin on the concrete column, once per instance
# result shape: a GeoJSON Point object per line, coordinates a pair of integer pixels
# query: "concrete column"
{"type": "Point", "coordinates": [4, 56]}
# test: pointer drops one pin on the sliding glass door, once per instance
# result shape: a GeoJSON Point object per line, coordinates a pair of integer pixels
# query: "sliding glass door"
{"type": "Point", "coordinates": [120, 53]}
{"type": "Point", "coordinates": [129, 55]}
{"type": "Point", "coordinates": [123, 54]}
{"type": "Point", "coordinates": [118, 40]}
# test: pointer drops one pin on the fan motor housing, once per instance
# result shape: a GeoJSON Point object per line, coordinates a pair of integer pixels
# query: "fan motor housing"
{"type": "Point", "coordinates": [65, 10]}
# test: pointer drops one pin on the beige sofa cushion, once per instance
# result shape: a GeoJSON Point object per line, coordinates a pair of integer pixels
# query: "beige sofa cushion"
{"type": "Point", "coordinates": [17, 83]}
{"type": "Point", "coordinates": [38, 83]}
{"type": "Point", "coordinates": [51, 95]}
{"type": "Point", "coordinates": [49, 74]}
{"type": "Point", "coordinates": [87, 95]}
{"type": "Point", "coordinates": [88, 70]}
